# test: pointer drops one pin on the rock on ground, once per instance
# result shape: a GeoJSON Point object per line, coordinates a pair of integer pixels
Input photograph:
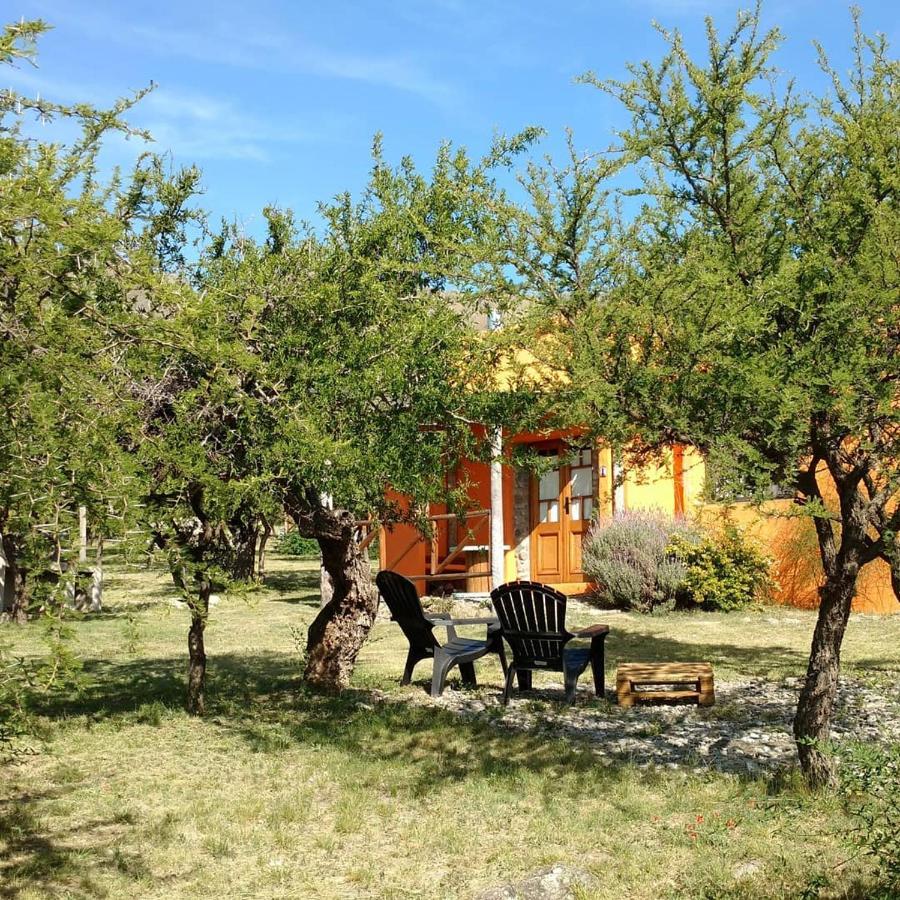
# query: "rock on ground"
{"type": "Point", "coordinates": [556, 883]}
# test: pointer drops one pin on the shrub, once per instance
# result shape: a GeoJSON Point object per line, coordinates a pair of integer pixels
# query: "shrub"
{"type": "Point", "coordinates": [628, 557]}
{"type": "Point", "coordinates": [292, 543]}
{"type": "Point", "coordinates": [722, 571]}
{"type": "Point", "coordinates": [870, 785]}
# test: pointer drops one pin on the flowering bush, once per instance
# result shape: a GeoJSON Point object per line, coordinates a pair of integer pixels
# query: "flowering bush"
{"type": "Point", "coordinates": [722, 571]}
{"type": "Point", "coordinates": [628, 557]}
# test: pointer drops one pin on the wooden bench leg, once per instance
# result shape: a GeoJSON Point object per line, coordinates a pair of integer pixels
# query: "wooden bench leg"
{"type": "Point", "coordinates": [707, 695]}
{"type": "Point", "coordinates": [624, 694]}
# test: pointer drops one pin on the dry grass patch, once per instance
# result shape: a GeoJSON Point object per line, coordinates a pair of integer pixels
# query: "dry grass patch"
{"type": "Point", "coordinates": [283, 793]}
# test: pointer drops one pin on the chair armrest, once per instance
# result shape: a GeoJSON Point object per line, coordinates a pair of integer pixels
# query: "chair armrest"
{"type": "Point", "coordinates": [477, 620]}
{"type": "Point", "coordinates": [445, 621]}
{"type": "Point", "coordinates": [592, 631]}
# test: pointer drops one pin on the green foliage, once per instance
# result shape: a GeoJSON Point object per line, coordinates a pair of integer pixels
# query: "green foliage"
{"type": "Point", "coordinates": [870, 785]}
{"type": "Point", "coordinates": [77, 256]}
{"type": "Point", "coordinates": [629, 558]}
{"type": "Point", "coordinates": [292, 543]}
{"type": "Point", "coordinates": [722, 571]}
{"type": "Point", "coordinates": [750, 307]}
{"type": "Point", "coordinates": [14, 677]}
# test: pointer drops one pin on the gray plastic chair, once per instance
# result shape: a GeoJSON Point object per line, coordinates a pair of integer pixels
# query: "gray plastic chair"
{"type": "Point", "coordinates": [402, 600]}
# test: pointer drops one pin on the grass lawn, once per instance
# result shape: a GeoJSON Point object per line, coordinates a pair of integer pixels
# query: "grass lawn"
{"type": "Point", "coordinates": [282, 793]}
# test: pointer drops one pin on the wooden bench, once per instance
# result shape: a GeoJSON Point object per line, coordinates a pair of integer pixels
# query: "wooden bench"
{"type": "Point", "coordinates": [694, 681]}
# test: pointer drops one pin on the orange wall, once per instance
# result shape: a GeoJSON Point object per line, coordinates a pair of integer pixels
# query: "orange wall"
{"type": "Point", "coordinates": [790, 541]}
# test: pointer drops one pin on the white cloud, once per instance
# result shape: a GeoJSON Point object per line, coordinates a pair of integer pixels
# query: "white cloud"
{"type": "Point", "coordinates": [230, 43]}
{"type": "Point", "coordinates": [194, 126]}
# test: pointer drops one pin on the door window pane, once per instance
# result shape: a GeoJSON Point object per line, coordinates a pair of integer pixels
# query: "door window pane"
{"type": "Point", "coordinates": [549, 485]}
{"type": "Point", "coordinates": [575, 510]}
{"type": "Point", "coordinates": [549, 511]}
{"type": "Point", "coordinates": [582, 485]}
{"type": "Point", "coordinates": [587, 507]}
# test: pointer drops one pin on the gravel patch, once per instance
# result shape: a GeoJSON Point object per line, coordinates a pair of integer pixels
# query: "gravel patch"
{"type": "Point", "coordinates": [748, 731]}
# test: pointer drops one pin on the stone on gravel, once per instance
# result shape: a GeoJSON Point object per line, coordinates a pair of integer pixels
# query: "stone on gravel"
{"type": "Point", "coordinates": [556, 883]}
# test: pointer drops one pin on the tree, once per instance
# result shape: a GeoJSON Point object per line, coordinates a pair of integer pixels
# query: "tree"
{"type": "Point", "coordinates": [751, 307]}
{"type": "Point", "coordinates": [75, 250]}
{"type": "Point", "coordinates": [373, 365]}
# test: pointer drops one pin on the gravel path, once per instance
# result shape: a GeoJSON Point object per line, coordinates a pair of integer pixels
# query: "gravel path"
{"type": "Point", "coordinates": [747, 731]}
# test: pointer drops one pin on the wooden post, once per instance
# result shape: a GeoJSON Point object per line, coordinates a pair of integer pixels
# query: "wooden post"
{"type": "Point", "coordinates": [497, 567]}
{"type": "Point", "coordinates": [82, 534]}
{"type": "Point", "coordinates": [496, 540]}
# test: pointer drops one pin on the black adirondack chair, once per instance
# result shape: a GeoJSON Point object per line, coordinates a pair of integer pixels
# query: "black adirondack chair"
{"type": "Point", "coordinates": [406, 610]}
{"type": "Point", "coordinates": [533, 622]}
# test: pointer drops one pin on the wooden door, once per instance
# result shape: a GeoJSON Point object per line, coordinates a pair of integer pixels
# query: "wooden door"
{"type": "Point", "coordinates": [561, 509]}
{"type": "Point", "coordinates": [578, 506]}
{"type": "Point", "coordinates": [547, 544]}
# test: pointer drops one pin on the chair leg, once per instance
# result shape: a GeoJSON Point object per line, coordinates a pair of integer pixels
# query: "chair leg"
{"type": "Point", "coordinates": [598, 650]}
{"type": "Point", "coordinates": [525, 680]}
{"type": "Point", "coordinates": [571, 679]}
{"type": "Point", "coordinates": [412, 658]}
{"type": "Point", "coordinates": [442, 665]}
{"type": "Point", "coordinates": [507, 684]}
{"type": "Point", "coordinates": [467, 671]}
{"type": "Point", "coordinates": [503, 664]}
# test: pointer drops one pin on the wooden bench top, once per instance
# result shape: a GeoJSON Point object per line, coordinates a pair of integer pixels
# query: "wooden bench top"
{"type": "Point", "coordinates": [673, 671]}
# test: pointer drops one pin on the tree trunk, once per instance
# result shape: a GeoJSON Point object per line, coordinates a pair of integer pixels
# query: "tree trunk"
{"type": "Point", "coordinates": [96, 602]}
{"type": "Point", "coordinates": [196, 702]}
{"type": "Point", "coordinates": [15, 590]}
{"type": "Point", "coordinates": [812, 722]}
{"type": "Point", "coordinates": [261, 552]}
{"type": "Point", "coordinates": [245, 552]}
{"type": "Point", "coordinates": [4, 574]}
{"type": "Point", "coordinates": [326, 587]}
{"type": "Point", "coordinates": [343, 624]}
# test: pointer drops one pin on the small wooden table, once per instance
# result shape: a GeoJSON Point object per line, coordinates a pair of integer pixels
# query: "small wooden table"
{"type": "Point", "coordinates": [694, 681]}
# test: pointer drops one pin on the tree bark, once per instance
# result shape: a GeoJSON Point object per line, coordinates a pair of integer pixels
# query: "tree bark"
{"type": "Point", "coordinates": [245, 538]}
{"type": "Point", "coordinates": [196, 700]}
{"type": "Point", "coordinates": [261, 552]}
{"type": "Point", "coordinates": [326, 587]}
{"type": "Point", "coordinates": [812, 722]}
{"type": "Point", "coordinates": [15, 589]}
{"type": "Point", "coordinates": [343, 624]}
{"type": "Point", "coordinates": [96, 602]}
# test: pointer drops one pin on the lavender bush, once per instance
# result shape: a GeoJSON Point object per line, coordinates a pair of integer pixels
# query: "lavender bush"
{"type": "Point", "coordinates": [628, 558]}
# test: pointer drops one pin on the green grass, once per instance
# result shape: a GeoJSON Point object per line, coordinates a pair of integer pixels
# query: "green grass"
{"type": "Point", "coordinates": [282, 793]}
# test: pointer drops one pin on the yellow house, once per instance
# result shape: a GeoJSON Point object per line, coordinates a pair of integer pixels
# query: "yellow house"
{"type": "Point", "coordinates": [544, 520]}
{"type": "Point", "coordinates": [544, 517]}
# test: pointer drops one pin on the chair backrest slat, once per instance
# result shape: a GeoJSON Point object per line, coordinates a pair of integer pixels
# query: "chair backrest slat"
{"type": "Point", "coordinates": [402, 600]}
{"type": "Point", "coordinates": [533, 620]}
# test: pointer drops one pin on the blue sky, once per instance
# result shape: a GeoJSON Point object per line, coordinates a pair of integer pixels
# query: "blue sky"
{"type": "Point", "coordinates": [277, 101]}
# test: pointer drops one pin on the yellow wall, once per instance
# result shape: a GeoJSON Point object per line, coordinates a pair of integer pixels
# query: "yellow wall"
{"type": "Point", "coordinates": [651, 487]}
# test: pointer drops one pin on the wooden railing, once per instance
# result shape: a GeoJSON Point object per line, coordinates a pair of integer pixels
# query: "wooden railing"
{"type": "Point", "coordinates": [437, 567]}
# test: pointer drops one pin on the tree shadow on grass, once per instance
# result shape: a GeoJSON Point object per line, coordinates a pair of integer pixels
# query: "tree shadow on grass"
{"type": "Point", "coordinates": [260, 698]}
{"type": "Point", "coordinates": [54, 859]}
{"type": "Point", "coordinates": [636, 646]}
{"type": "Point", "coordinates": [292, 581]}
